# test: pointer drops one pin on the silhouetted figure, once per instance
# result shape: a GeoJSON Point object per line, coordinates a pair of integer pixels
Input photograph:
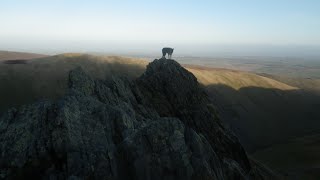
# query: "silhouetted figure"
{"type": "Point", "coordinates": [168, 51]}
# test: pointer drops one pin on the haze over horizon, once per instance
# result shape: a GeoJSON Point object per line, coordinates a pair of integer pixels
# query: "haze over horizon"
{"type": "Point", "coordinates": [209, 28]}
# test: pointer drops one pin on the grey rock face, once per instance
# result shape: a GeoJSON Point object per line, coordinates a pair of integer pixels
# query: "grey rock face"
{"type": "Point", "coordinates": [175, 92]}
{"type": "Point", "coordinates": [160, 126]}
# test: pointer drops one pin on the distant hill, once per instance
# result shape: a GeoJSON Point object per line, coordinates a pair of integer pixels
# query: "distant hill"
{"type": "Point", "coordinates": [307, 84]}
{"type": "Point", "coordinates": [47, 77]}
{"type": "Point", "coordinates": [235, 79]}
{"type": "Point", "coordinates": [293, 67]}
{"type": "Point", "coordinates": [10, 55]}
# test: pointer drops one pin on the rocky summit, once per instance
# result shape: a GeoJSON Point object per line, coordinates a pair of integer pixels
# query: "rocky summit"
{"type": "Point", "coordinates": [158, 126]}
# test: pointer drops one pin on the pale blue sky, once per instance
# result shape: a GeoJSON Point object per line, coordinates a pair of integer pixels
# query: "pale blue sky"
{"type": "Point", "coordinates": [92, 25]}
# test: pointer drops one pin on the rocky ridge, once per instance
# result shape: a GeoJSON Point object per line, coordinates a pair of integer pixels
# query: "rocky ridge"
{"type": "Point", "coordinates": [159, 126]}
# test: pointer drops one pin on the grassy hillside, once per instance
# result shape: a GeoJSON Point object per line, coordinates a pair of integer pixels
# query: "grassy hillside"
{"type": "Point", "coordinates": [235, 79]}
{"type": "Point", "coordinates": [47, 77]}
{"type": "Point", "coordinates": [265, 111]}
{"type": "Point", "coordinates": [307, 84]}
{"type": "Point", "coordinates": [10, 55]}
{"type": "Point", "coordinates": [260, 110]}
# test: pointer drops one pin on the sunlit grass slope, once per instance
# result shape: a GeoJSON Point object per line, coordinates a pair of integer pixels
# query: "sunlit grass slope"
{"type": "Point", "coordinates": [8, 55]}
{"type": "Point", "coordinates": [235, 79]}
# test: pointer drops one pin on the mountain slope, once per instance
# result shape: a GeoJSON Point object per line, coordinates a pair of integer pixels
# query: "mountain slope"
{"type": "Point", "coordinates": [145, 128]}
{"type": "Point", "coordinates": [261, 111]}
{"type": "Point", "coordinates": [47, 77]}
{"type": "Point", "coordinates": [10, 55]}
{"type": "Point", "coordinates": [308, 84]}
{"type": "Point", "coordinates": [235, 79]}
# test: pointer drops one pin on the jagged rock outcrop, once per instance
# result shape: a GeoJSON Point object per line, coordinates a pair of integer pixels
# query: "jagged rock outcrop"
{"type": "Point", "coordinates": [175, 92]}
{"type": "Point", "coordinates": [159, 126]}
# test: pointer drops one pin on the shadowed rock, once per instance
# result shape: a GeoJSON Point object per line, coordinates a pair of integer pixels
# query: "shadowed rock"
{"type": "Point", "coordinates": [15, 61]}
{"type": "Point", "coordinates": [175, 92]}
{"type": "Point", "coordinates": [159, 126]}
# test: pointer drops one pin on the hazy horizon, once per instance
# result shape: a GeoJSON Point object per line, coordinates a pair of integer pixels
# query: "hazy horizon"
{"type": "Point", "coordinates": [154, 50]}
{"type": "Point", "coordinates": [206, 28]}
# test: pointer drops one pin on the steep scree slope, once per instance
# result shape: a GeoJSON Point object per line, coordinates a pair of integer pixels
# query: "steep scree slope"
{"type": "Point", "coordinates": [159, 126]}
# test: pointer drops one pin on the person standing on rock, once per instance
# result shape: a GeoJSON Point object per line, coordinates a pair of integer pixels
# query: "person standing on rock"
{"type": "Point", "coordinates": [168, 51]}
